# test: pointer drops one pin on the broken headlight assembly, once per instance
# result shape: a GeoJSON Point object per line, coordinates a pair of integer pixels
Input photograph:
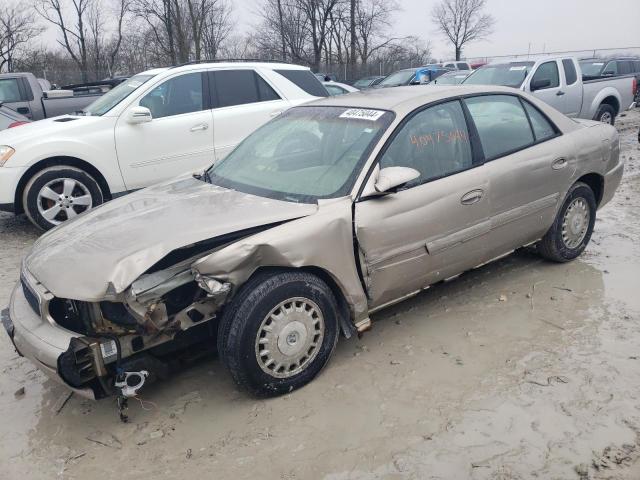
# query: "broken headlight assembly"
{"type": "Point", "coordinates": [213, 287]}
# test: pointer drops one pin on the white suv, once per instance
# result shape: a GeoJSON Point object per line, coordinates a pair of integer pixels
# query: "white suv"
{"type": "Point", "coordinates": [154, 126]}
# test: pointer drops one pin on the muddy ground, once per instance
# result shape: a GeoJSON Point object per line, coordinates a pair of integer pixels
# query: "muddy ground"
{"type": "Point", "coordinates": [521, 369]}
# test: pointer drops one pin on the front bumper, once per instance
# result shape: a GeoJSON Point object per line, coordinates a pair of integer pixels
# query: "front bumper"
{"type": "Point", "coordinates": [9, 178]}
{"type": "Point", "coordinates": [38, 340]}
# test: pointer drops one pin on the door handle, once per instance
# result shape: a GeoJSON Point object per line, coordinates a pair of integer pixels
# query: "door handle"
{"type": "Point", "coordinates": [200, 127]}
{"type": "Point", "coordinates": [559, 163]}
{"type": "Point", "coordinates": [474, 196]}
{"type": "Point", "coordinates": [276, 113]}
{"type": "Point", "coordinates": [559, 93]}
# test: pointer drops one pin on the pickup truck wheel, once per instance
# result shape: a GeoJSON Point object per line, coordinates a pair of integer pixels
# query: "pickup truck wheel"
{"type": "Point", "coordinates": [279, 332]}
{"type": "Point", "coordinates": [56, 194]}
{"type": "Point", "coordinates": [571, 231]}
{"type": "Point", "coordinates": [606, 114]}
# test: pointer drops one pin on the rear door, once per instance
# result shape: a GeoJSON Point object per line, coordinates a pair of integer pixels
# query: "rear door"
{"type": "Point", "coordinates": [528, 163]}
{"type": "Point", "coordinates": [243, 101]}
{"type": "Point", "coordinates": [436, 226]}
{"type": "Point", "coordinates": [179, 138]}
{"type": "Point", "coordinates": [572, 88]}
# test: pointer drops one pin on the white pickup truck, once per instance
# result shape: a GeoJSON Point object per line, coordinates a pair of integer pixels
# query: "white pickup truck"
{"type": "Point", "coordinates": [558, 82]}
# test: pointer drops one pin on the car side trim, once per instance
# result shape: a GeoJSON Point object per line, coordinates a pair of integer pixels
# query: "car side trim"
{"type": "Point", "coordinates": [441, 244]}
{"type": "Point", "coordinates": [524, 210]}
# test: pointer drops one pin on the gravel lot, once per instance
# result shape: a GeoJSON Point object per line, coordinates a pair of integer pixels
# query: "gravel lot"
{"type": "Point", "coordinates": [520, 369]}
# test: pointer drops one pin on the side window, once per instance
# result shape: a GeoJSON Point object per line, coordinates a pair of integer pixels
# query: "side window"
{"type": "Point", "coordinates": [625, 67]}
{"type": "Point", "coordinates": [636, 66]}
{"type": "Point", "coordinates": [569, 71]}
{"type": "Point", "coordinates": [542, 128]}
{"type": "Point", "coordinates": [610, 68]}
{"type": "Point", "coordinates": [501, 123]}
{"type": "Point", "coordinates": [265, 92]}
{"type": "Point", "coordinates": [9, 90]}
{"type": "Point", "coordinates": [450, 65]}
{"type": "Point", "coordinates": [547, 71]}
{"type": "Point", "coordinates": [464, 66]}
{"type": "Point", "coordinates": [239, 87]}
{"type": "Point", "coordinates": [305, 80]}
{"type": "Point", "coordinates": [176, 96]}
{"type": "Point", "coordinates": [434, 141]}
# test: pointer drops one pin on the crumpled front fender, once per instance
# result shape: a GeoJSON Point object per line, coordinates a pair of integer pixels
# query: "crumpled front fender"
{"type": "Point", "coordinates": [323, 240]}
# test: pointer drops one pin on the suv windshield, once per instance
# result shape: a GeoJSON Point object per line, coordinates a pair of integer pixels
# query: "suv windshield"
{"type": "Point", "coordinates": [113, 97]}
{"type": "Point", "coordinates": [591, 68]}
{"type": "Point", "coordinates": [306, 154]}
{"type": "Point", "coordinates": [401, 77]}
{"type": "Point", "coordinates": [506, 74]}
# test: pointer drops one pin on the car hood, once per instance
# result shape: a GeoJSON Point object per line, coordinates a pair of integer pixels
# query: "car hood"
{"type": "Point", "coordinates": [65, 124]}
{"type": "Point", "coordinates": [103, 251]}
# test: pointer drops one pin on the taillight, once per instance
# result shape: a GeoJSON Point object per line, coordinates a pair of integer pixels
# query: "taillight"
{"type": "Point", "coordinates": [16, 124]}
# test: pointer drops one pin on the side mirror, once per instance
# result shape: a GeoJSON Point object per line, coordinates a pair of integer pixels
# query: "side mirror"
{"type": "Point", "coordinates": [392, 178]}
{"type": "Point", "coordinates": [539, 84]}
{"type": "Point", "coordinates": [608, 73]}
{"type": "Point", "coordinates": [138, 115]}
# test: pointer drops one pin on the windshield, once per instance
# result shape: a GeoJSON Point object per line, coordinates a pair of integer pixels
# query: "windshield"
{"type": "Point", "coordinates": [306, 154]}
{"type": "Point", "coordinates": [591, 68]}
{"type": "Point", "coordinates": [507, 74]}
{"type": "Point", "coordinates": [401, 77]}
{"type": "Point", "coordinates": [450, 79]}
{"type": "Point", "coordinates": [363, 82]}
{"type": "Point", "coordinates": [114, 96]}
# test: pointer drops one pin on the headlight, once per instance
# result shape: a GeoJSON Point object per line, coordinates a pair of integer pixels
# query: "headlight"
{"type": "Point", "coordinates": [5, 153]}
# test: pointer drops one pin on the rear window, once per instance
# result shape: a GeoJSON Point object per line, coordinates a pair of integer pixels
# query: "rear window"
{"type": "Point", "coordinates": [305, 80]}
{"type": "Point", "coordinates": [569, 71]}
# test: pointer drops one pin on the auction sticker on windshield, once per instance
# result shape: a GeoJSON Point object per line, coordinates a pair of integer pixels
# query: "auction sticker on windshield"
{"type": "Point", "coordinates": [362, 114]}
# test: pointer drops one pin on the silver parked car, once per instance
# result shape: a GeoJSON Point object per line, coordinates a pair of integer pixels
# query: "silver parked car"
{"type": "Point", "coordinates": [330, 212]}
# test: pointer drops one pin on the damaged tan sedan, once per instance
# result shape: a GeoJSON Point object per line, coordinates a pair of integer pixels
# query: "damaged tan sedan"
{"type": "Point", "coordinates": [326, 214]}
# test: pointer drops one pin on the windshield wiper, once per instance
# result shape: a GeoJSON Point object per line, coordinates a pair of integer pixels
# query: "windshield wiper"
{"type": "Point", "coordinates": [204, 176]}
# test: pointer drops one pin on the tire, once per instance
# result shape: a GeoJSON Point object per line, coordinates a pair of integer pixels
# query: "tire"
{"type": "Point", "coordinates": [605, 114]}
{"type": "Point", "coordinates": [560, 247]}
{"type": "Point", "coordinates": [243, 327]}
{"type": "Point", "coordinates": [40, 208]}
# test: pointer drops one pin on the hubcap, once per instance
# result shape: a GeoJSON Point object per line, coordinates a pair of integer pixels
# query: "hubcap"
{"type": "Point", "coordinates": [575, 223]}
{"type": "Point", "coordinates": [62, 199]}
{"type": "Point", "coordinates": [289, 337]}
{"type": "Point", "coordinates": [606, 117]}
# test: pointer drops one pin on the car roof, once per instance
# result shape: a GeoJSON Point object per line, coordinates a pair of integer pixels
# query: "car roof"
{"type": "Point", "coordinates": [201, 65]}
{"type": "Point", "coordinates": [402, 100]}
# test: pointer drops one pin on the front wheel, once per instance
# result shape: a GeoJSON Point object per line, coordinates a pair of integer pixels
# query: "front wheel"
{"type": "Point", "coordinates": [571, 231]}
{"type": "Point", "coordinates": [279, 332]}
{"type": "Point", "coordinates": [59, 193]}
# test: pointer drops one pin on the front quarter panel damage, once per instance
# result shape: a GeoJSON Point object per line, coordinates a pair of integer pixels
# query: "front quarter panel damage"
{"type": "Point", "coordinates": [323, 240]}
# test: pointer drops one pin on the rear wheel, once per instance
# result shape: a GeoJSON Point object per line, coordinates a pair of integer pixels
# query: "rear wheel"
{"type": "Point", "coordinates": [606, 114]}
{"type": "Point", "coordinates": [56, 194]}
{"type": "Point", "coordinates": [571, 231]}
{"type": "Point", "coordinates": [279, 332]}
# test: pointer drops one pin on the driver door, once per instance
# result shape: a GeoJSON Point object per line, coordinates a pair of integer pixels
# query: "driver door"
{"type": "Point", "coordinates": [435, 227]}
{"type": "Point", "coordinates": [178, 139]}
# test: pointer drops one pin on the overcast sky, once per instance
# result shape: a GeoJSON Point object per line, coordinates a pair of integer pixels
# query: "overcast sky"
{"type": "Point", "coordinates": [554, 25]}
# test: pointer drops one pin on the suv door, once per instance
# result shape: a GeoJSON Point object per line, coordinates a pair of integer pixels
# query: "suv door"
{"type": "Point", "coordinates": [552, 93]}
{"type": "Point", "coordinates": [437, 225]}
{"type": "Point", "coordinates": [529, 166]}
{"type": "Point", "coordinates": [179, 138]}
{"type": "Point", "coordinates": [243, 101]}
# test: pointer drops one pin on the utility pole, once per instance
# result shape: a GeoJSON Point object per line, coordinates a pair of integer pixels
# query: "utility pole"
{"type": "Point", "coordinates": [352, 53]}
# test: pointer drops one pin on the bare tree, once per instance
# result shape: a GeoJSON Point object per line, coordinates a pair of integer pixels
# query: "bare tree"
{"type": "Point", "coordinates": [217, 27]}
{"type": "Point", "coordinates": [74, 30]}
{"type": "Point", "coordinates": [318, 13]}
{"type": "Point", "coordinates": [17, 27]}
{"type": "Point", "coordinates": [373, 19]}
{"type": "Point", "coordinates": [462, 21]}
